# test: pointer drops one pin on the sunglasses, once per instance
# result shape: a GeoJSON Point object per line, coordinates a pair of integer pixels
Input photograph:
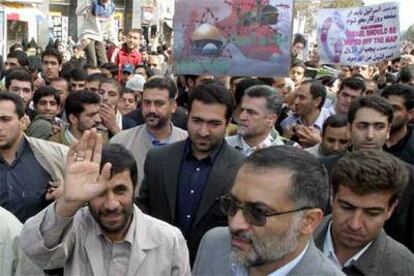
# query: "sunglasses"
{"type": "Point", "coordinates": [253, 214]}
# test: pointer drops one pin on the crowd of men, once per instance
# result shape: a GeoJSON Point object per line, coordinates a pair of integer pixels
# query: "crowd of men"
{"type": "Point", "coordinates": [121, 168]}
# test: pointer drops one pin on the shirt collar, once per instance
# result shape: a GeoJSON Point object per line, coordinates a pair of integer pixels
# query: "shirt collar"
{"type": "Point", "coordinates": [323, 115]}
{"type": "Point", "coordinates": [155, 141]}
{"type": "Point", "coordinates": [329, 250]}
{"type": "Point", "coordinates": [267, 142]}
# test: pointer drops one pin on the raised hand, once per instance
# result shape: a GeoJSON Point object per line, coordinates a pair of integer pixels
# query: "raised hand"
{"type": "Point", "coordinates": [83, 182]}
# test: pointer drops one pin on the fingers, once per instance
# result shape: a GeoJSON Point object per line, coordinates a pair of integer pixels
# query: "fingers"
{"type": "Point", "coordinates": [72, 152]}
{"type": "Point", "coordinates": [83, 146]}
{"type": "Point", "coordinates": [97, 153]}
{"type": "Point", "coordinates": [105, 173]}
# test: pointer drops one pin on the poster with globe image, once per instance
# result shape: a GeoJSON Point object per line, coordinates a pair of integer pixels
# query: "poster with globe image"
{"type": "Point", "coordinates": [233, 37]}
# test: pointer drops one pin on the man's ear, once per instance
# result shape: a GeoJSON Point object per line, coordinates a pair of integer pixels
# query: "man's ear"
{"type": "Point", "coordinates": [392, 209]}
{"type": "Point", "coordinates": [310, 221]}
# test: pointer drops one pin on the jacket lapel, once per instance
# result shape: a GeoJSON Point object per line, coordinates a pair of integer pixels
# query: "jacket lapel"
{"type": "Point", "coordinates": [171, 168]}
{"type": "Point", "coordinates": [143, 241]}
{"type": "Point", "coordinates": [93, 248]}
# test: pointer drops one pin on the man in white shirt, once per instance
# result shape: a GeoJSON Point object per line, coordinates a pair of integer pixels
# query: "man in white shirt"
{"type": "Point", "coordinates": [366, 188]}
{"type": "Point", "coordinates": [259, 110]}
{"type": "Point", "coordinates": [274, 206]}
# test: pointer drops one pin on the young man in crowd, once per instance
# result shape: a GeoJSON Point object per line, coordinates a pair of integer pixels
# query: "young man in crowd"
{"type": "Point", "coordinates": [19, 82]}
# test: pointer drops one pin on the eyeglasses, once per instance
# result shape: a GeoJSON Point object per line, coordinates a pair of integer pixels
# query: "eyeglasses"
{"type": "Point", "coordinates": [251, 212]}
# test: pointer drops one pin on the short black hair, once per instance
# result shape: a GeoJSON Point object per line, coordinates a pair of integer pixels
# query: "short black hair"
{"type": "Point", "coordinates": [335, 121]}
{"type": "Point", "coordinates": [406, 75]}
{"type": "Point", "coordinates": [19, 74]}
{"type": "Point", "coordinates": [162, 83]}
{"type": "Point", "coordinates": [298, 63]}
{"type": "Point", "coordinates": [114, 82]}
{"type": "Point", "coordinates": [16, 99]}
{"type": "Point", "coordinates": [75, 102]}
{"type": "Point", "coordinates": [111, 67]}
{"type": "Point", "coordinates": [309, 181]}
{"type": "Point", "coordinates": [121, 160]}
{"type": "Point", "coordinates": [353, 83]}
{"type": "Point", "coordinates": [148, 70]}
{"type": "Point", "coordinates": [20, 56]}
{"type": "Point", "coordinates": [273, 100]}
{"type": "Point", "coordinates": [212, 92]}
{"type": "Point", "coordinates": [50, 51]}
{"type": "Point", "coordinates": [44, 92]}
{"type": "Point", "coordinates": [78, 74]}
{"type": "Point", "coordinates": [299, 38]}
{"type": "Point", "coordinates": [96, 77]}
{"type": "Point", "coordinates": [374, 102]}
{"type": "Point", "coordinates": [402, 90]}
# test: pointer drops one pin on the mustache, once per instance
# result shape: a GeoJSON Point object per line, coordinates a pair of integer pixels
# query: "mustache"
{"type": "Point", "coordinates": [153, 115]}
{"type": "Point", "coordinates": [242, 235]}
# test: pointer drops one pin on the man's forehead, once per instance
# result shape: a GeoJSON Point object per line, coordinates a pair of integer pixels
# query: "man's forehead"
{"type": "Point", "coordinates": [367, 114]}
{"type": "Point", "coordinates": [50, 58]}
{"type": "Point", "coordinates": [7, 108]}
{"type": "Point", "coordinates": [19, 83]}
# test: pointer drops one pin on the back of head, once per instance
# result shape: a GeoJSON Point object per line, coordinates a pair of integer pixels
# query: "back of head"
{"type": "Point", "coordinates": [78, 74]}
{"type": "Point", "coordinates": [121, 160]}
{"type": "Point", "coordinates": [316, 90]}
{"type": "Point", "coordinates": [309, 180]}
{"type": "Point", "coordinates": [212, 93]}
{"type": "Point", "coordinates": [20, 56]}
{"type": "Point", "coordinates": [366, 172]}
{"type": "Point", "coordinates": [353, 83]}
{"type": "Point", "coordinates": [373, 102]}
{"type": "Point", "coordinates": [162, 83]}
{"type": "Point", "coordinates": [242, 86]}
{"type": "Point", "coordinates": [75, 101]}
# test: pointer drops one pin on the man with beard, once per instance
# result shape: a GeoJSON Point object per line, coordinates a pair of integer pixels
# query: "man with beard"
{"type": "Point", "coordinates": [51, 66]}
{"type": "Point", "coordinates": [183, 180]}
{"type": "Point", "coordinates": [336, 138]}
{"type": "Point", "coordinates": [366, 188]}
{"type": "Point", "coordinates": [109, 236]}
{"type": "Point", "coordinates": [259, 110]}
{"type": "Point", "coordinates": [129, 53]}
{"type": "Point", "coordinates": [401, 140]}
{"type": "Point", "coordinates": [82, 110]}
{"type": "Point", "coordinates": [273, 208]}
{"type": "Point", "coordinates": [158, 104]}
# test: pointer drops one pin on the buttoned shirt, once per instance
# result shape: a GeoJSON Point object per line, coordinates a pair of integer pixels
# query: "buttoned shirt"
{"type": "Point", "coordinates": [248, 150]}
{"type": "Point", "coordinates": [329, 251]}
{"type": "Point", "coordinates": [282, 271]}
{"type": "Point", "coordinates": [23, 183]}
{"type": "Point", "coordinates": [193, 178]}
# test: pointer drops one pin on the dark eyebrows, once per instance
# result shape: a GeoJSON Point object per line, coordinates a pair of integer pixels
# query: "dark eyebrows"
{"type": "Point", "coordinates": [356, 207]}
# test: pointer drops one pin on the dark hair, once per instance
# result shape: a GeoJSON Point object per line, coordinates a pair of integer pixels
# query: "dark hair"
{"type": "Point", "coordinates": [273, 99]}
{"type": "Point", "coordinates": [96, 77]}
{"type": "Point", "coordinates": [406, 75]}
{"type": "Point", "coordinates": [75, 102]}
{"type": "Point", "coordinates": [16, 99]}
{"type": "Point", "coordinates": [67, 68]}
{"type": "Point", "coordinates": [242, 86]}
{"type": "Point", "coordinates": [374, 102]}
{"type": "Point", "coordinates": [370, 171]}
{"type": "Point", "coordinates": [78, 74]}
{"type": "Point", "coordinates": [335, 121]}
{"type": "Point", "coordinates": [18, 74]}
{"type": "Point", "coordinates": [15, 46]}
{"type": "Point", "coordinates": [121, 160]}
{"type": "Point", "coordinates": [50, 51]}
{"type": "Point", "coordinates": [20, 56]}
{"type": "Point", "coordinates": [212, 93]}
{"type": "Point", "coordinates": [353, 83]}
{"type": "Point", "coordinates": [309, 180]}
{"type": "Point", "coordinates": [162, 83]}
{"type": "Point", "coordinates": [316, 90]}
{"type": "Point", "coordinates": [111, 67]}
{"type": "Point", "coordinates": [135, 30]}
{"type": "Point", "coordinates": [299, 38]}
{"type": "Point", "coordinates": [148, 70]}
{"type": "Point", "coordinates": [114, 82]}
{"type": "Point", "coordinates": [61, 79]}
{"type": "Point", "coordinates": [402, 90]}
{"type": "Point", "coordinates": [44, 92]}
{"type": "Point", "coordinates": [298, 63]}
{"type": "Point", "coordinates": [129, 91]}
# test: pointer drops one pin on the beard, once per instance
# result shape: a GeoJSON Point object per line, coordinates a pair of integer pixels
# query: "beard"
{"type": "Point", "coordinates": [267, 249]}
{"type": "Point", "coordinates": [155, 121]}
{"type": "Point", "coordinates": [112, 228]}
{"type": "Point", "coordinates": [397, 127]}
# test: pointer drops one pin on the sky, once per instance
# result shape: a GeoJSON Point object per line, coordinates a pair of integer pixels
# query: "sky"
{"type": "Point", "coordinates": [406, 10]}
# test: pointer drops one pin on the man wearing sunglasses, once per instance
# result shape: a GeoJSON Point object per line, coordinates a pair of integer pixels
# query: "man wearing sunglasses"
{"type": "Point", "coordinates": [273, 208]}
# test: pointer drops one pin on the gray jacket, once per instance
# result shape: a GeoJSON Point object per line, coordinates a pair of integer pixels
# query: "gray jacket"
{"type": "Point", "coordinates": [384, 256]}
{"type": "Point", "coordinates": [213, 258]}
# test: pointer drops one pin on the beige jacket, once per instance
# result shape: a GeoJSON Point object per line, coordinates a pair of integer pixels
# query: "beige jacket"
{"type": "Point", "coordinates": [158, 248]}
{"type": "Point", "coordinates": [51, 156]}
{"type": "Point", "coordinates": [136, 140]}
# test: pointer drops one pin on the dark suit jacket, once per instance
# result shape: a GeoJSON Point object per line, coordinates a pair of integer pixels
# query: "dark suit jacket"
{"type": "Point", "coordinates": [401, 224]}
{"type": "Point", "coordinates": [158, 192]}
{"type": "Point", "coordinates": [213, 258]}
{"type": "Point", "coordinates": [384, 256]}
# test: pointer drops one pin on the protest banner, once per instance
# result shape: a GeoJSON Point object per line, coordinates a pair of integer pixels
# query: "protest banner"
{"type": "Point", "coordinates": [233, 37]}
{"type": "Point", "coordinates": [356, 36]}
